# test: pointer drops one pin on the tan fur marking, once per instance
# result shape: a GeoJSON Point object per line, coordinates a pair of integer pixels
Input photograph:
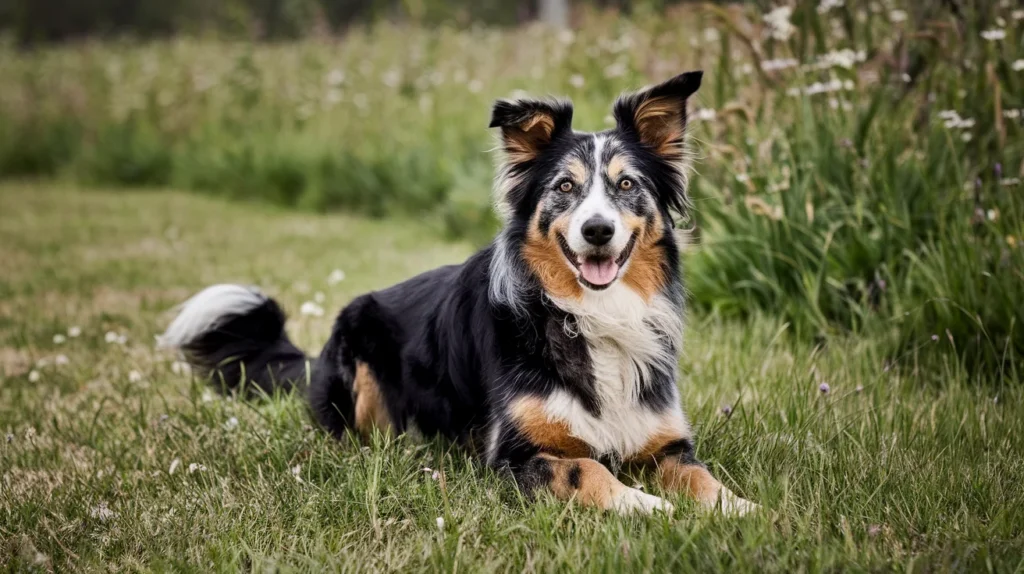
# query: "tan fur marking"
{"type": "Point", "coordinates": [645, 274]}
{"type": "Point", "coordinates": [615, 167]}
{"type": "Point", "coordinates": [545, 257]}
{"type": "Point", "coordinates": [656, 444]}
{"type": "Point", "coordinates": [553, 436]}
{"type": "Point", "coordinates": [597, 485]}
{"type": "Point", "coordinates": [523, 142]}
{"type": "Point", "coordinates": [370, 409]}
{"type": "Point", "coordinates": [690, 479]}
{"type": "Point", "coordinates": [660, 124]}
{"type": "Point", "coordinates": [578, 170]}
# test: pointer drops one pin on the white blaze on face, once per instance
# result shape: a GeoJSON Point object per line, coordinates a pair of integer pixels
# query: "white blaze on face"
{"type": "Point", "coordinates": [596, 202]}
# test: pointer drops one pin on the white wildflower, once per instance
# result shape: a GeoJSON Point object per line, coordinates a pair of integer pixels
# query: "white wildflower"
{"type": "Point", "coordinates": [566, 36]}
{"type": "Point", "coordinates": [779, 64]}
{"type": "Point", "coordinates": [705, 115]}
{"type": "Point", "coordinates": [615, 70]}
{"type": "Point", "coordinates": [134, 376]}
{"type": "Point", "coordinates": [994, 35]}
{"type": "Point", "coordinates": [440, 523]}
{"type": "Point", "coordinates": [207, 396]}
{"type": "Point", "coordinates": [336, 276]}
{"type": "Point", "coordinates": [231, 424]}
{"type": "Point", "coordinates": [311, 309]}
{"type": "Point", "coordinates": [475, 86]}
{"type": "Point", "coordinates": [966, 136]}
{"type": "Point", "coordinates": [297, 472]}
{"type": "Point", "coordinates": [196, 467]}
{"type": "Point", "coordinates": [845, 58]}
{"type": "Point", "coordinates": [181, 368]}
{"type": "Point", "coordinates": [112, 337]}
{"type": "Point", "coordinates": [101, 512]}
{"type": "Point", "coordinates": [74, 331]}
{"type": "Point", "coordinates": [33, 376]}
{"type": "Point", "coordinates": [1017, 14]}
{"type": "Point", "coordinates": [1009, 181]}
{"type": "Point", "coordinates": [711, 35]}
{"type": "Point", "coordinates": [897, 16]}
{"type": "Point", "coordinates": [391, 78]}
{"type": "Point", "coordinates": [319, 296]}
{"type": "Point", "coordinates": [61, 360]}
{"type": "Point", "coordinates": [742, 177]}
{"type": "Point", "coordinates": [779, 26]}
{"type": "Point", "coordinates": [1017, 65]}
{"type": "Point", "coordinates": [576, 81]}
{"type": "Point", "coordinates": [59, 339]}
{"type": "Point", "coordinates": [336, 77]}
{"type": "Point", "coordinates": [826, 5]}
{"type": "Point", "coordinates": [992, 214]}
{"type": "Point", "coordinates": [952, 120]}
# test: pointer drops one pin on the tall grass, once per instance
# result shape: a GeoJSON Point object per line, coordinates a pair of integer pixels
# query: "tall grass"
{"type": "Point", "coordinates": [860, 163]}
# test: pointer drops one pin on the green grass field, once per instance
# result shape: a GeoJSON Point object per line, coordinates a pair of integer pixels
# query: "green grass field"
{"type": "Point", "coordinates": [114, 458]}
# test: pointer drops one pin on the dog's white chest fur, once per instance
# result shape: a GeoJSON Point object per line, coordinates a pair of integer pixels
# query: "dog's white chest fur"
{"type": "Point", "coordinates": [626, 336]}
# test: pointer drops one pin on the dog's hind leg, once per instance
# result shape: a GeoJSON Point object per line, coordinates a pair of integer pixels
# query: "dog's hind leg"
{"type": "Point", "coordinates": [371, 412]}
{"type": "Point", "coordinates": [585, 480]}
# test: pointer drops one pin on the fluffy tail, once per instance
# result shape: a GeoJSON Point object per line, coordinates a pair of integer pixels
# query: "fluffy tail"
{"type": "Point", "coordinates": [235, 336]}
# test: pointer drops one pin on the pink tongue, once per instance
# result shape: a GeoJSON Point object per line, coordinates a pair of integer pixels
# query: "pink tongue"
{"type": "Point", "coordinates": [600, 272]}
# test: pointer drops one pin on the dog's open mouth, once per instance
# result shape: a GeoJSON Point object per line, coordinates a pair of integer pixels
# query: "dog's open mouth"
{"type": "Point", "coordinates": [597, 272]}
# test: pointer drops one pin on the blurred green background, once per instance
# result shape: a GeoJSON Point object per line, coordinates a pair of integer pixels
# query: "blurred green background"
{"type": "Point", "coordinates": [857, 164]}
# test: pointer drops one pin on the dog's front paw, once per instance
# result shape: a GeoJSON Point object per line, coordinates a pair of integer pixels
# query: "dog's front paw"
{"type": "Point", "coordinates": [733, 505]}
{"type": "Point", "coordinates": [632, 500]}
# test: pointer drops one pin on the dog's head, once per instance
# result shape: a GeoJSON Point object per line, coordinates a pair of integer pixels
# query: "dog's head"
{"type": "Point", "coordinates": [592, 209]}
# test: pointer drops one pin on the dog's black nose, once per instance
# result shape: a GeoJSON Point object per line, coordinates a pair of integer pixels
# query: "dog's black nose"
{"type": "Point", "coordinates": [598, 230]}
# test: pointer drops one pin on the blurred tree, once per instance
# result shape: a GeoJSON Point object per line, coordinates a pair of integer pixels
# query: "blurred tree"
{"type": "Point", "coordinates": [42, 21]}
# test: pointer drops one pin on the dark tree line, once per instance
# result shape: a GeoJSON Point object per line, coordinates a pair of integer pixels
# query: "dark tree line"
{"type": "Point", "coordinates": [42, 21]}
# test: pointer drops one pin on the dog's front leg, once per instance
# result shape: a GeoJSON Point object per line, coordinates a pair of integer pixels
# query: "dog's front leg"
{"type": "Point", "coordinates": [585, 480]}
{"type": "Point", "coordinates": [679, 471]}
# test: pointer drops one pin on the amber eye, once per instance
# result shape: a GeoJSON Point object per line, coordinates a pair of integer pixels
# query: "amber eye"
{"type": "Point", "coordinates": [626, 184]}
{"type": "Point", "coordinates": [566, 186]}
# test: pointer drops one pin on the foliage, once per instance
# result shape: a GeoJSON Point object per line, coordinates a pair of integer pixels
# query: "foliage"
{"type": "Point", "coordinates": [859, 165]}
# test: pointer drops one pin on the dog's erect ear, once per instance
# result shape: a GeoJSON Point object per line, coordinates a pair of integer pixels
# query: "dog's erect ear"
{"type": "Point", "coordinates": [656, 116]}
{"type": "Point", "coordinates": [529, 126]}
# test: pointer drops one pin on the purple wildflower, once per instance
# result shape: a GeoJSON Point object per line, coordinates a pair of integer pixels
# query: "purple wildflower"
{"type": "Point", "coordinates": [727, 410]}
{"type": "Point", "coordinates": [824, 388]}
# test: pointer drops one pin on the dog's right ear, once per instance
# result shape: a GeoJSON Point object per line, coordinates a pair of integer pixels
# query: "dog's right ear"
{"type": "Point", "coordinates": [529, 126]}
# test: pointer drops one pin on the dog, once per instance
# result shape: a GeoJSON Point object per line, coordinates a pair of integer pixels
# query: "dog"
{"type": "Point", "coordinates": [552, 353]}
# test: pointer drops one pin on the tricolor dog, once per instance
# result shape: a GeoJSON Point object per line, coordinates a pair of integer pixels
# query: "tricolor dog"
{"type": "Point", "coordinates": [553, 352]}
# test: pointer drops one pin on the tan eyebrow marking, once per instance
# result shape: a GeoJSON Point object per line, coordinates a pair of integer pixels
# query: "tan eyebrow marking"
{"type": "Point", "coordinates": [577, 169]}
{"type": "Point", "coordinates": [615, 166]}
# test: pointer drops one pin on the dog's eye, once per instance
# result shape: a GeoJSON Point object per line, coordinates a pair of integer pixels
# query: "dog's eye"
{"type": "Point", "coordinates": [566, 186]}
{"type": "Point", "coordinates": [626, 184]}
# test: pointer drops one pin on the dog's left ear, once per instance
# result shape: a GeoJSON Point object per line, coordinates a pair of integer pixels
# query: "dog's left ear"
{"type": "Point", "coordinates": [656, 116]}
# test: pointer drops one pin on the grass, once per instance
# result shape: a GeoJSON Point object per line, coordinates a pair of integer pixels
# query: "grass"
{"type": "Point", "coordinates": [896, 468]}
